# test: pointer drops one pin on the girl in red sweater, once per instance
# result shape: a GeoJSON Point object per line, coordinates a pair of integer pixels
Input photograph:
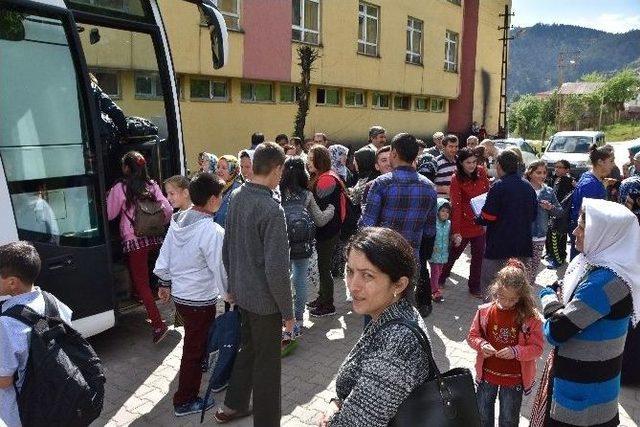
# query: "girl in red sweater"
{"type": "Point", "coordinates": [507, 334]}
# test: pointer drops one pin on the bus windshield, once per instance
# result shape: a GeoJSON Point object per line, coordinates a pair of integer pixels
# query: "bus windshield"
{"type": "Point", "coordinates": [44, 146]}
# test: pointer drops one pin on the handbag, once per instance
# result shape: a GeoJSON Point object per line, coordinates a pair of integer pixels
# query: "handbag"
{"type": "Point", "coordinates": [445, 400]}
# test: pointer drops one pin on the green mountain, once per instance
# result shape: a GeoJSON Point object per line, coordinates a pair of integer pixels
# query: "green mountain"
{"type": "Point", "coordinates": [533, 56]}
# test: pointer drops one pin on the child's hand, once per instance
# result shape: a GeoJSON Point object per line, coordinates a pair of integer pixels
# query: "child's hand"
{"type": "Point", "coordinates": [229, 298]}
{"type": "Point", "coordinates": [164, 294]}
{"type": "Point", "coordinates": [488, 350]}
{"type": "Point", "coordinates": [506, 353]}
{"type": "Point", "coordinates": [457, 239]}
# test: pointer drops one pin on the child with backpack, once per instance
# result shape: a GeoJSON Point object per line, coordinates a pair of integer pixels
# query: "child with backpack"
{"type": "Point", "coordinates": [302, 215]}
{"type": "Point", "coordinates": [507, 335]}
{"type": "Point", "coordinates": [440, 254]}
{"type": "Point", "coordinates": [143, 211]}
{"type": "Point", "coordinates": [192, 274]}
{"type": "Point", "coordinates": [27, 367]}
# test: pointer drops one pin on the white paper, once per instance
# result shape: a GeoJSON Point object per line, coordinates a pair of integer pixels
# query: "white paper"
{"type": "Point", "coordinates": [477, 203]}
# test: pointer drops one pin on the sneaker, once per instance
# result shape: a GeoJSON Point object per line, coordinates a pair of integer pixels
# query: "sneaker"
{"type": "Point", "coordinates": [552, 264]}
{"type": "Point", "coordinates": [193, 407]}
{"type": "Point", "coordinates": [314, 303]}
{"type": "Point", "coordinates": [437, 296]}
{"type": "Point", "coordinates": [160, 333]}
{"type": "Point", "coordinates": [323, 310]}
{"type": "Point", "coordinates": [297, 330]}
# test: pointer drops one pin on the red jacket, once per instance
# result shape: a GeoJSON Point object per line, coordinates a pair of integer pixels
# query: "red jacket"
{"type": "Point", "coordinates": [460, 193]}
{"type": "Point", "coordinates": [528, 351]}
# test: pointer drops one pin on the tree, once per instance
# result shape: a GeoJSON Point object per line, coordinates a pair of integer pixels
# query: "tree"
{"type": "Point", "coordinates": [573, 108]}
{"type": "Point", "coordinates": [306, 57]}
{"type": "Point", "coordinates": [548, 114]}
{"type": "Point", "coordinates": [623, 86]}
{"type": "Point", "coordinates": [524, 116]}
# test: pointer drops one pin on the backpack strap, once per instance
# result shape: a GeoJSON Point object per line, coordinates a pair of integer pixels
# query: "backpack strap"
{"type": "Point", "coordinates": [29, 316]}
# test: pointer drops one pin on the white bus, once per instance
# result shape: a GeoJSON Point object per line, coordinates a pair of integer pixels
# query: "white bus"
{"type": "Point", "coordinates": [54, 167]}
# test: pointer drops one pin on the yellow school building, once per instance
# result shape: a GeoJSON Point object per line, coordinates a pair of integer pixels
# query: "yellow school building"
{"type": "Point", "coordinates": [418, 66]}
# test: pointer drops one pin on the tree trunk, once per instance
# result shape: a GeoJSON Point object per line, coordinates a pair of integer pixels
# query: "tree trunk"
{"type": "Point", "coordinates": [306, 57]}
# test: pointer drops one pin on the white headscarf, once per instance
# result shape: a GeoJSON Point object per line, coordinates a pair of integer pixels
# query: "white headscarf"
{"type": "Point", "coordinates": [612, 241]}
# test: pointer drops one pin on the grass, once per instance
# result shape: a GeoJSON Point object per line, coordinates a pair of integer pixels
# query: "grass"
{"type": "Point", "coordinates": [623, 131]}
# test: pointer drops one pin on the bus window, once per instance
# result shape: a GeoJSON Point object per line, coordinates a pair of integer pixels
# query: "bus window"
{"type": "Point", "coordinates": [110, 7]}
{"type": "Point", "coordinates": [126, 68]}
{"type": "Point", "coordinates": [45, 151]}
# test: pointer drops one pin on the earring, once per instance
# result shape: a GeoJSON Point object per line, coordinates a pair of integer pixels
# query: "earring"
{"type": "Point", "coordinates": [395, 295]}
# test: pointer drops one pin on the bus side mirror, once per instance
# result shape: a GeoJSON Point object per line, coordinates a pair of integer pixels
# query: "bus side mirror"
{"type": "Point", "coordinates": [218, 32]}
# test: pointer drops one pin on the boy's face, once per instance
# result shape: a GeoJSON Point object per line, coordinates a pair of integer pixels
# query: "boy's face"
{"type": "Point", "coordinates": [178, 197]}
{"type": "Point", "coordinates": [560, 170]}
{"type": "Point", "coordinates": [443, 214]}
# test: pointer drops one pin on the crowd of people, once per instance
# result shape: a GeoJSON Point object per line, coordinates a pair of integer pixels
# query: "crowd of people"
{"type": "Point", "coordinates": [262, 229]}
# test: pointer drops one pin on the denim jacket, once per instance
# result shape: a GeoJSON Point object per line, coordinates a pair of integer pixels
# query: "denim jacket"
{"type": "Point", "coordinates": [541, 223]}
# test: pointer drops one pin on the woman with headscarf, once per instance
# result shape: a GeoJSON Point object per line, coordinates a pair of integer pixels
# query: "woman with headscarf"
{"type": "Point", "coordinates": [208, 162]}
{"type": "Point", "coordinates": [246, 164]}
{"type": "Point", "coordinates": [364, 161]}
{"type": "Point", "coordinates": [229, 170]}
{"type": "Point", "coordinates": [587, 319]}
{"type": "Point", "coordinates": [339, 154]}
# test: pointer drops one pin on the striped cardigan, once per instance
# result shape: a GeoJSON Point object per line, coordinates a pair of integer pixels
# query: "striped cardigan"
{"type": "Point", "coordinates": [589, 334]}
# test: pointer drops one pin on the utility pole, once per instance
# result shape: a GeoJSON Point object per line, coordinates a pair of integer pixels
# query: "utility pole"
{"type": "Point", "coordinates": [502, 116]}
{"type": "Point", "coordinates": [566, 59]}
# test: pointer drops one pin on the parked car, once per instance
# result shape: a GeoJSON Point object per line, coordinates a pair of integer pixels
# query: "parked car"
{"type": "Point", "coordinates": [572, 146]}
{"type": "Point", "coordinates": [529, 154]}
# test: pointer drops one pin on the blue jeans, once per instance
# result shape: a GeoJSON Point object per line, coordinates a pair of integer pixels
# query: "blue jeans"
{"type": "Point", "coordinates": [299, 281]}
{"type": "Point", "coordinates": [510, 403]}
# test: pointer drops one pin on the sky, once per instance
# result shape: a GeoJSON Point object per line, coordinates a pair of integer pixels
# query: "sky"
{"type": "Point", "coordinates": [613, 16]}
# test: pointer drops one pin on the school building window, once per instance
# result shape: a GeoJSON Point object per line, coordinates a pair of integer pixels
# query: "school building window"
{"type": "Point", "coordinates": [214, 90]}
{"type": "Point", "coordinates": [421, 104]}
{"type": "Point", "coordinates": [368, 26]}
{"type": "Point", "coordinates": [354, 98]}
{"type": "Point", "coordinates": [256, 92]}
{"type": "Point", "coordinates": [380, 100]}
{"type": "Point", "coordinates": [289, 93]}
{"type": "Point", "coordinates": [230, 11]}
{"type": "Point", "coordinates": [401, 102]}
{"type": "Point", "coordinates": [437, 105]}
{"type": "Point", "coordinates": [414, 41]}
{"type": "Point", "coordinates": [148, 85]}
{"type": "Point", "coordinates": [306, 21]}
{"type": "Point", "coordinates": [451, 51]}
{"type": "Point", "coordinates": [109, 82]}
{"type": "Point", "coordinates": [454, 2]}
{"type": "Point", "coordinates": [326, 96]}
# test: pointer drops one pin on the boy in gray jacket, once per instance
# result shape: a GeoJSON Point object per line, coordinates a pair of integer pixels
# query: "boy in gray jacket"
{"type": "Point", "coordinates": [255, 253]}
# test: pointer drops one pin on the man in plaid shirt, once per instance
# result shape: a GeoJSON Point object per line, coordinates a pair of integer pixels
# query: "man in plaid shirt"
{"type": "Point", "coordinates": [403, 200]}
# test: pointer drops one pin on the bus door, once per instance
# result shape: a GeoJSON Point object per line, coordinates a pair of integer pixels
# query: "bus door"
{"type": "Point", "coordinates": [49, 158]}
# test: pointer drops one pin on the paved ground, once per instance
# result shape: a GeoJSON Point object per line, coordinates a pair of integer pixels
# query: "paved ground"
{"type": "Point", "coordinates": [141, 378]}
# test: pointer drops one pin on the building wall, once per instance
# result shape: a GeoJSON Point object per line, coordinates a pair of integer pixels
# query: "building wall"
{"type": "Point", "coordinates": [262, 50]}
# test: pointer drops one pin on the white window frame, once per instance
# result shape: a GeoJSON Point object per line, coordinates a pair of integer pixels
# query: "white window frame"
{"type": "Point", "coordinates": [155, 76]}
{"type": "Point", "coordinates": [296, 93]}
{"type": "Point", "coordinates": [376, 104]}
{"type": "Point", "coordinates": [396, 96]}
{"type": "Point", "coordinates": [325, 96]}
{"type": "Point", "coordinates": [426, 103]}
{"type": "Point", "coordinates": [355, 104]}
{"type": "Point", "coordinates": [301, 27]}
{"type": "Point", "coordinates": [451, 41]}
{"type": "Point", "coordinates": [118, 94]}
{"type": "Point", "coordinates": [211, 96]}
{"type": "Point", "coordinates": [439, 101]}
{"type": "Point", "coordinates": [253, 92]}
{"type": "Point", "coordinates": [363, 14]}
{"type": "Point", "coordinates": [413, 55]}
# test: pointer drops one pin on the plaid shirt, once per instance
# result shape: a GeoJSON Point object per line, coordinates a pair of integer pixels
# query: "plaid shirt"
{"type": "Point", "coordinates": [404, 201]}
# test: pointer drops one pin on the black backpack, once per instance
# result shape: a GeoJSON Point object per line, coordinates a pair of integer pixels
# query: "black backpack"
{"type": "Point", "coordinates": [64, 380]}
{"type": "Point", "coordinates": [560, 223]}
{"type": "Point", "coordinates": [300, 227]}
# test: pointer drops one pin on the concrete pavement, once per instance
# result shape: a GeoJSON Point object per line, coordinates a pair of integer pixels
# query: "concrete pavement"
{"type": "Point", "coordinates": [141, 377]}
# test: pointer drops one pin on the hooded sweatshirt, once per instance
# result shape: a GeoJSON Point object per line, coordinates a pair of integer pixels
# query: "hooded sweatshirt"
{"type": "Point", "coordinates": [443, 229]}
{"type": "Point", "coordinates": [190, 259]}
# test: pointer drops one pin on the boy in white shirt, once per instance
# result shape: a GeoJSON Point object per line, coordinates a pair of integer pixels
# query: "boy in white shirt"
{"type": "Point", "coordinates": [19, 267]}
{"type": "Point", "coordinates": [192, 273]}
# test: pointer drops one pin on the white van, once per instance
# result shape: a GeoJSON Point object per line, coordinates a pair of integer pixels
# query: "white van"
{"type": "Point", "coordinates": [572, 146]}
